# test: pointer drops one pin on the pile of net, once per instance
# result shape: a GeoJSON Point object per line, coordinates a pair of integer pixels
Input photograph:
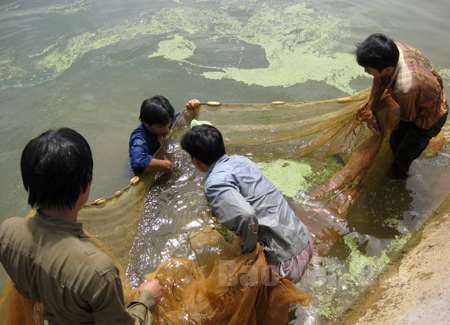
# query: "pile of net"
{"type": "Point", "coordinates": [223, 287]}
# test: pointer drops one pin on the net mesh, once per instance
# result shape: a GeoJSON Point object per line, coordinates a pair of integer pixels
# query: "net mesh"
{"type": "Point", "coordinates": [225, 288]}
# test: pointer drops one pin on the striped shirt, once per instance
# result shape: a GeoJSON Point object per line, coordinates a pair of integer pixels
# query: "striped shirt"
{"type": "Point", "coordinates": [416, 86]}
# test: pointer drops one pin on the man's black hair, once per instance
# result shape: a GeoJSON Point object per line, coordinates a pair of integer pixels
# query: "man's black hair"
{"type": "Point", "coordinates": [205, 143]}
{"type": "Point", "coordinates": [377, 51]}
{"type": "Point", "coordinates": [55, 166]}
{"type": "Point", "coordinates": [156, 110]}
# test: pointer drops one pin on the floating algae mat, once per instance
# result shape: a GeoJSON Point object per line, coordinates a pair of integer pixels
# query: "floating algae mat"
{"type": "Point", "coordinates": [330, 168]}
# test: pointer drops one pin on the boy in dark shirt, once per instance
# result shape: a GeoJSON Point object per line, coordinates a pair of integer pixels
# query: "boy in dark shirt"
{"type": "Point", "coordinates": [157, 117]}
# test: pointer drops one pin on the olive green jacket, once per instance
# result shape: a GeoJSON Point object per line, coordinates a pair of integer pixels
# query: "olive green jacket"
{"type": "Point", "coordinates": [53, 262]}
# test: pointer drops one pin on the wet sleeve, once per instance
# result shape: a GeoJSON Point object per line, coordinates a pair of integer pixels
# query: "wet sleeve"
{"type": "Point", "coordinates": [141, 309]}
{"type": "Point", "coordinates": [235, 213]}
{"type": "Point", "coordinates": [139, 153]}
{"type": "Point", "coordinates": [109, 308]}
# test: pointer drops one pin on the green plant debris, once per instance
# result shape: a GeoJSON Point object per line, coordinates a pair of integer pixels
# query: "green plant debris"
{"type": "Point", "coordinates": [297, 41]}
{"type": "Point", "coordinates": [445, 74]}
{"type": "Point", "coordinates": [177, 48]}
{"type": "Point", "coordinates": [331, 165]}
{"type": "Point", "coordinates": [227, 235]}
{"type": "Point", "coordinates": [357, 273]}
{"type": "Point", "coordinates": [288, 176]}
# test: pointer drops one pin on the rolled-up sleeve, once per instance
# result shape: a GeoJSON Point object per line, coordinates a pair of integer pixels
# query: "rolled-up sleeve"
{"type": "Point", "coordinates": [234, 212]}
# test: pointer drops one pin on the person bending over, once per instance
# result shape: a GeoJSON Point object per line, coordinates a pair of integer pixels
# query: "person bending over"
{"type": "Point", "coordinates": [49, 258]}
{"type": "Point", "coordinates": [157, 118]}
{"type": "Point", "coordinates": [246, 202]}
{"type": "Point", "coordinates": [414, 83]}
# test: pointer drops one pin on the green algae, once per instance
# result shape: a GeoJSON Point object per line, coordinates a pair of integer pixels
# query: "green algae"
{"type": "Point", "coordinates": [176, 49]}
{"type": "Point", "coordinates": [297, 40]}
{"type": "Point", "coordinates": [357, 272]}
{"type": "Point", "coordinates": [64, 9]}
{"type": "Point", "coordinates": [298, 43]}
{"type": "Point", "coordinates": [62, 58]}
{"type": "Point", "coordinates": [289, 176]}
{"type": "Point", "coordinates": [445, 74]}
{"type": "Point", "coordinates": [331, 166]}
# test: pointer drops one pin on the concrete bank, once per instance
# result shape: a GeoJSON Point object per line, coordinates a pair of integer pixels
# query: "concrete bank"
{"type": "Point", "coordinates": [415, 286]}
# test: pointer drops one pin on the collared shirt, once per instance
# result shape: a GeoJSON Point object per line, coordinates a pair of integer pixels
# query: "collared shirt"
{"type": "Point", "coordinates": [416, 86]}
{"type": "Point", "coordinates": [53, 262]}
{"type": "Point", "coordinates": [240, 195]}
{"type": "Point", "coordinates": [142, 146]}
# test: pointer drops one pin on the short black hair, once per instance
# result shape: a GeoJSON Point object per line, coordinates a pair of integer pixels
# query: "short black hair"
{"type": "Point", "coordinates": [55, 166]}
{"type": "Point", "coordinates": [205, 143]}
{"type": "Point", "coordinates": [156, 110]}
{"type": "Point", "coordinates": [377, 51]}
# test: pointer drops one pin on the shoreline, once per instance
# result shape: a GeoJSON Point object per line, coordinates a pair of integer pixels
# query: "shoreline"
{"type": "Point", "coordinates": [414, 288]}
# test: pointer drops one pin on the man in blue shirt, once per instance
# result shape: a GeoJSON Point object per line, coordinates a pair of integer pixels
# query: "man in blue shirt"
{"type": "Point", "coordinates": [157, 117]}
{"type": "Point", "coordinates": [246, 202]}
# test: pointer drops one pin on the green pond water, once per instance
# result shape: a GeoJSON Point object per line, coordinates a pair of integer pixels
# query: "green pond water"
{"type": "Point", "coordinates": [89, 65]}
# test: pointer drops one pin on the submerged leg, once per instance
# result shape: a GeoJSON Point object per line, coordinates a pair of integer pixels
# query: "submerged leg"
{"type": "Point", "coordinates": [408, 142]}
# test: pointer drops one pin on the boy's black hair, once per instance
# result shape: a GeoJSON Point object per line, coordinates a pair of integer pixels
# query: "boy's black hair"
{"type": "Point", "coordinates": [55, 166]}
{"type": "Point", "coordinates": [205, 143]}
{"type": "Point", "coordinates": [156, 110]}
{"type": "Point", "coordinates": [377, 51]}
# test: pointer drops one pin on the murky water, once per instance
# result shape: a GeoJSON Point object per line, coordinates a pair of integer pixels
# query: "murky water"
{"type": "Point", "coordinates": [89, 65]}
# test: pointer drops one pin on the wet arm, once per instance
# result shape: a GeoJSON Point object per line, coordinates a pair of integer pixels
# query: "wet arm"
{"type": "Point", "coordinates": [159, 164]}
{"type": "Point", "coordinates": [235, 213]}
{"type": "Point", "coordinates": [108, 304]}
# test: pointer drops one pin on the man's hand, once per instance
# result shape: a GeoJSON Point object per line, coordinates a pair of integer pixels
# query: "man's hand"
{"type": "Point", "coordinates": [193, 104]}
{"type": "Point", "coordinates": [159, 164]}
{"type": "Point", "coordinates": [373, 126]}
{"type": "Point", "coordinates": [167, 165]}
{"type": "Point", "coordinates": [154, 287]}
{"type": "Point", "coordinates": [364, 114]}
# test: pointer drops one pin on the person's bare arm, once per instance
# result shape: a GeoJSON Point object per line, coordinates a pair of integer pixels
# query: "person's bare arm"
{"type": "Point", "coordinates": [156, 165]}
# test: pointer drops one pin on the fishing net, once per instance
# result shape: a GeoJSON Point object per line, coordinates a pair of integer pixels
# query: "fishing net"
{"type": "Point", "coordinates": [316, 153]}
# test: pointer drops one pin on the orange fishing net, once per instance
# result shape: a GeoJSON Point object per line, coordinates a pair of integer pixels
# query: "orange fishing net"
{"type": "Point", "coordinates": [225, 288]}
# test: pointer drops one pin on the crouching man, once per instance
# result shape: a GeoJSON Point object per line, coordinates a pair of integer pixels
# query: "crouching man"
{"type": "Point", "coordinates": [246, 202]}
{"type": "Point", "coordinates": [49, 258]}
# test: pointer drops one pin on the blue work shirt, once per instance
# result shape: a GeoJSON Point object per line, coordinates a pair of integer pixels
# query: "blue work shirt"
{"type": "Point", "coordinates": [240, 195]}
{"type": "Point", "coordinates": [142, 146]}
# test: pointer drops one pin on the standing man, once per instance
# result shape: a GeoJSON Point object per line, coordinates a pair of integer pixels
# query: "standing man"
{"type": "Point", "coordinates": [414, 83]}
{"type": "Point", "coordinates": [246, 202]}
{"type": "Point", "coordinates": [49, 258]}
{"type": "Point", "coordinates": [157, 118]}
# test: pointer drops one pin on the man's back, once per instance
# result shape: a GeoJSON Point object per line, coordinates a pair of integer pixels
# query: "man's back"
{"type": "Point", "coordinates": [232, 178]}
{"type": "Point", "coordinates": [53, 262]}
{"type": "Point", "coordinates": [418, 88]}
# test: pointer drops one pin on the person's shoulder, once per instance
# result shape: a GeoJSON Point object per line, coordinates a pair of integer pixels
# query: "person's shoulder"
{"type": "Point", "coordinates": [243, 162]}
{"type": "Point", "coordinates": [12, 223]}
{"type": "Point", "coordinates": [138, 136]}
{"type": "Point", "coordinates": [139, 131]}
{"type": "Point", "coordinates": [93, 258]}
